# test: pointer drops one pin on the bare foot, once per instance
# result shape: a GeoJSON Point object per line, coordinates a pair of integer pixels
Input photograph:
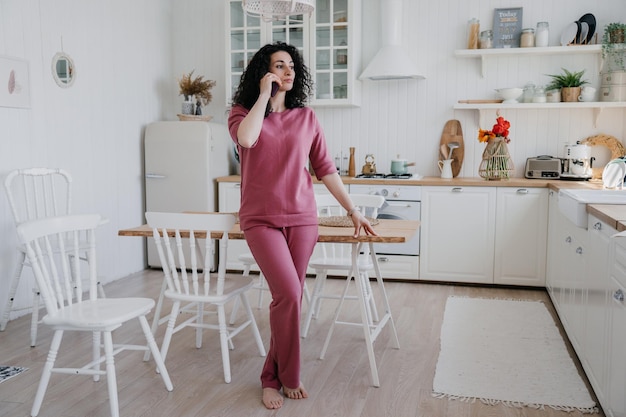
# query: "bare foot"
{"type": "Point", "coordinates": [272, 399]}
{"type": "Point", "coordinates": [297, 393]}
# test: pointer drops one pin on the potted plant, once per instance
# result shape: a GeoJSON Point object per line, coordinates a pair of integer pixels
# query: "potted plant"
{"type": "Point", "coordinates": [569, 83]}
{"type": "Point", "coordinates": [197, 88]}
{"type": "Point", "coordinates": [613, 45]}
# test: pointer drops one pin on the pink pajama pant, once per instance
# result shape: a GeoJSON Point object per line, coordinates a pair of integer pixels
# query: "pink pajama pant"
{"type": "Point", "coordinates": [283, 255]}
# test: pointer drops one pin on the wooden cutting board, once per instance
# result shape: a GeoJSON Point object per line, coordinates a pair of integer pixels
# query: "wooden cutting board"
{"type": "Point", "coordinates": [452, 132]}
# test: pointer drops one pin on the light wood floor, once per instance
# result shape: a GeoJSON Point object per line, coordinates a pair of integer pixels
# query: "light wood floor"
{"type": "Point", "coordinates": [338, 385]}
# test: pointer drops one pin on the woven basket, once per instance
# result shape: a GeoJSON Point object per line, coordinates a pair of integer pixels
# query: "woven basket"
{"type": "Point", "coordinates": [341, 221]}
{"type": "Point", "coordinates": [194, 118]}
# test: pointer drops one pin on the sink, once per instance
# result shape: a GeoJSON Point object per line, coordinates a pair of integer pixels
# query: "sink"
{"type": "Point", "coordinates": [573, 202]}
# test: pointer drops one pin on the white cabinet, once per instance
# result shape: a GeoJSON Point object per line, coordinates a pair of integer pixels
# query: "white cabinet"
{"type": "Point", "coordinates": [329, 41]}
{"type": "Point", "coordinates": [597, 287]}
{"type": "Point", "coordinates": [617, 333]}
{"type": "Point", "coordinates": [458, 234]}
{"type": "Point", "coordinates": [229, 201]}
{"type": "Point", "coordinates": [490, 235]}
{"type": "Point", "coordinates": [521, 236]}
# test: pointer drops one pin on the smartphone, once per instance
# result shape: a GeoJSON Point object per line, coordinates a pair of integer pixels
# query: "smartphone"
{"type": "Point", "coordinates": [274, 88]}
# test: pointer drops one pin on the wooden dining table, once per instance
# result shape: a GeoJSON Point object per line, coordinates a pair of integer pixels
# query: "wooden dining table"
{"type": "Point", "coordinates": [388, 231]}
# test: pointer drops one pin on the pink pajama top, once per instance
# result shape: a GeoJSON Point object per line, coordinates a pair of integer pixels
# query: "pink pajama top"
{"type": "Point", "coordinates": [276, 186]}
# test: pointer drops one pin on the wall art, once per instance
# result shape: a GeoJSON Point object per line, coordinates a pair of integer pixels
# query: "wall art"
{"type": "Point", "coordinates": [507, 27]}
{"type": "Point", "coordinates": [14, 82]}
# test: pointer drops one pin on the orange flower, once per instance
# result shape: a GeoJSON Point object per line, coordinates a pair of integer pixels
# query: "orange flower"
{"type": "Point", "coordinates": [501, 129]}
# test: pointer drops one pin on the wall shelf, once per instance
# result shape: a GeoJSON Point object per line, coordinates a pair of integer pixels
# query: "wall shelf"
{"type": "Point", "coordinates": [596, 106]}
{"type": "Point", "coordinates": [484, 54]}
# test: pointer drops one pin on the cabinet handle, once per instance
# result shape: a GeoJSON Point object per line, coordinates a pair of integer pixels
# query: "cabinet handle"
{"type": "Point", "coordinates": [568, 239]}
{"type": "Point", "coordinates": [457, 190]}
{"type": "Point", "coordinates": [522, 191]}
{"type": "Point", "coordinates": [597, 226]}
{"type": "Point", "coordinates": [157, 176]}
{"type": "Point", "coordinates": [579, 250]}
{"type": "Point", "coordinates": [383, 259]}
{"type": "Point", "coordinates": [618, 296]}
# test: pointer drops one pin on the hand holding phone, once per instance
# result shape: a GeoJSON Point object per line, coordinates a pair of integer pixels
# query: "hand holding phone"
{"type": "Point", "coordinates": [274, 88]}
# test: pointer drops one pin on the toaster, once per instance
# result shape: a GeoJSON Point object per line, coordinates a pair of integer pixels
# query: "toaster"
{"type": "Point", "coordinates": [543, 167]}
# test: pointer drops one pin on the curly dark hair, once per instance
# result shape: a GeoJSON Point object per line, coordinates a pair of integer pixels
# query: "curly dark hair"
{"type": "Point", "coordinates": [248, 90]}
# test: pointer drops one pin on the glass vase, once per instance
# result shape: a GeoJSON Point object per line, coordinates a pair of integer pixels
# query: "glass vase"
{"type": "Point", "coordinates": [496, 163]}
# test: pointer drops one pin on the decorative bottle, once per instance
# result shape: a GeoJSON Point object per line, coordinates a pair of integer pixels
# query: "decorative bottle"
{"type": "Point", "coordinates": [351, 166]}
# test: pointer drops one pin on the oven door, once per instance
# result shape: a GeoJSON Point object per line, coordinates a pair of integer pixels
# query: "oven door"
{"type": "Point", "coordinates": [400, 210]}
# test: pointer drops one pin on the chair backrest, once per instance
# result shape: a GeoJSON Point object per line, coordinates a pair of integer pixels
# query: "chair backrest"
{"type": "Point", "coordinates": [328, 206]}
{"type": "Point", "coordinates": [189, 272]}
{"type": "Point", "coordinates": [35, 193]}
{"type": "Point", "coordinates": [53, 246]}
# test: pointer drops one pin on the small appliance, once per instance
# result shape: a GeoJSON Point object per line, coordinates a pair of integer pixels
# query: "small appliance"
{"type": "Point", "coordinates": [577, 162]}
{"type": "Point", "coordinates": [542, 167]}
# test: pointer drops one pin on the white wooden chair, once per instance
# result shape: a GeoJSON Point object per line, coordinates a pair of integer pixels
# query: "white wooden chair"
{"type": "Point", "coordinates": [35, 193]}
{"type": "Point", "coordinates": [336, 257]}
{"type": "Point", "coordinates": [53, 246]}
{"type": "Point", "coordinates": [191, 281]}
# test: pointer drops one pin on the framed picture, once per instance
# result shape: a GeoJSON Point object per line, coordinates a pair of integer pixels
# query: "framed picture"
{"type": "Point", "coordinates": [14, 83]}
{"type": "Point", "coordinates": [507, 27]}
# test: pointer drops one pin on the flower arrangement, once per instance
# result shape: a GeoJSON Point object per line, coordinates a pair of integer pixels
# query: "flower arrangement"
{"type": "Point", "coordinates": [197, 87]}
{"type": "Point", "coordinates": [496, 163]}
{"type": "Point", "coordinates": [500, 129]}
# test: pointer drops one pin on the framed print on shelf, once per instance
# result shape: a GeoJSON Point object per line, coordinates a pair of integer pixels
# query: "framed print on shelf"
{"type": "Point", "coordinates": [14, 83]}
{"type": "Point", "coordinates": [507, 27]}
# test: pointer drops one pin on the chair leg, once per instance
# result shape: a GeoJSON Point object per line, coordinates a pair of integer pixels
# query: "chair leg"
{"type": "Point", "coordinates": [199, 321]}
{"type": "Point", "coordinates": [221, 317]}
{"type": "Point", "coordinates": [169, 331]}
{"type": "Point", "coordinates": [157, 315]}
{"type": "Point", "coordinates": [34, 320]}
{"type": "Point", "coordinates": [47, 372]}
{"type": "Point", "coordinates": [111, 377]}
{"type": "Point", "coordinates": [15, 280]}
{"type": "Point", "coordinates": [158, 359]}
{"type": "Point", "coordinates": [95, 353]}
{"type": "Point", "coordinates": [314, 302]}
{"type": "Point", "coordinates": [253, 325]}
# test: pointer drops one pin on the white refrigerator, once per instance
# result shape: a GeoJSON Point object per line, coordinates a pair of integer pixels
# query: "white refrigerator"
{"type": "Point", "coordinates": [182, 161]}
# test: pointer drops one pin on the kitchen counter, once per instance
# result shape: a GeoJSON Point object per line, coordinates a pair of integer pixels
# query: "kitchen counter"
{"type": "Point", "coordinates": [459, 182]}
{"type": "Point", "coordinates": [613, 215]}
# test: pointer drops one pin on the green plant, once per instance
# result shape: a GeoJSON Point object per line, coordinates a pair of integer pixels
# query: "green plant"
{"type": "Point", "coordinates": [197, 87]}
{"type": "Point", "coordinates": [566, 79]}
{"type": "Point", "coordinates": [613, 43]}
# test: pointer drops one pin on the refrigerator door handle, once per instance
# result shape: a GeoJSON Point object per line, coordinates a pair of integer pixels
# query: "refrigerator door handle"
{"type": "Point", "coordinates": [158, 176]}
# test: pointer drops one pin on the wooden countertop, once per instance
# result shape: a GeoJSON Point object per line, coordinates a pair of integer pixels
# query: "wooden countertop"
{"type": "Point", "coordinates": [459, 182]}
{"type": "Point", "coordinates": [389, 231]}
{"type": "Point", "coordinates": [612, 214]}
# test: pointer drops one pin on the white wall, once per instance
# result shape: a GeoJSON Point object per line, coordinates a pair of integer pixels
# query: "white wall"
{"type": "Point", "coordinates": [122, 53]}
{"type": "Point", "coordinates": [128, 55]}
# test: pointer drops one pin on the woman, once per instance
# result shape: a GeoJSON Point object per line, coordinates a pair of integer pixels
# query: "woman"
{"type": "Point", "coordinates": [276, 137]}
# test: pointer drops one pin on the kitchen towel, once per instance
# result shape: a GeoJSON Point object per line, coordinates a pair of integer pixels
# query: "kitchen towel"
{"type": "Point", "coordinates": [507, 352]}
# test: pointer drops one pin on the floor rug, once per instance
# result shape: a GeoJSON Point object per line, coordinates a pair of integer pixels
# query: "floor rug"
{"type": "Point", "coordinates": [507, 352]}
{"type": "Point", "coordinates": [7, 372]}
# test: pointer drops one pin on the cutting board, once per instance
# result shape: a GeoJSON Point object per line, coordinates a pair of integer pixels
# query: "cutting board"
{"type": "Point", "coordinates": [452, 132]}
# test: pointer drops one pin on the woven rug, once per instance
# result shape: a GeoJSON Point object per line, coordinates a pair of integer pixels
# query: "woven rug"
{"type": "Point", "coordinates": [507, 352]}
{"type": "Point", "coordinates": [7, 372]}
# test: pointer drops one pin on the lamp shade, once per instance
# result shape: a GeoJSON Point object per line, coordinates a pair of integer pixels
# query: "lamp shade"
{"type": "Point", "coordinates": [269, 10]}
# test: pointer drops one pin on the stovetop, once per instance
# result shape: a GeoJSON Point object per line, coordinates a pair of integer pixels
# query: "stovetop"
{"type": "Point", "coordinates": [385, 176]}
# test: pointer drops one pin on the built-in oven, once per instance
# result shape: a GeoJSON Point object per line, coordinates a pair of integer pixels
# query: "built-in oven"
{"type": "Point", "coordinates": [402, 202]}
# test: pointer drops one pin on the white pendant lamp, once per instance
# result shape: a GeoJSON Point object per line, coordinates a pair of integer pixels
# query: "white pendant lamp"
{"type": "Point", "coordinates": [269, 10]}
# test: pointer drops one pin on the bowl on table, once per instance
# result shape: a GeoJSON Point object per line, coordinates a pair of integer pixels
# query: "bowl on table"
{"type": "Point", "coordinates": [510, 95]}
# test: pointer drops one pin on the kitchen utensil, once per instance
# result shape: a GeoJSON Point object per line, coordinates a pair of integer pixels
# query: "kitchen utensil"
{"type": "Point", "coordinates": [487, 101]}
{"type": "Point", "coordinates": [614, 173]}
{"type": "Point", "coordinates": [444, 150]}
{"type": "Point", "coordinates": [510, 95]}
{"type": "Point", "coordinates": [591, 22]}
{"type": "Point", "coordinates": [399, 166]}
{"type": "Point", "coordinates": [452, 146]}
{"type": "Point", "coordinates": [569, 34]}
{"type": "Point", "coordinates": [445, 167]}
{"type": "Point", "coordinates": [452, 132]}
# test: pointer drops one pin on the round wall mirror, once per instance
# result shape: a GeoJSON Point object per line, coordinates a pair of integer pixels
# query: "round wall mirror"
{"type": "Point", "coordinates": [63, 70]}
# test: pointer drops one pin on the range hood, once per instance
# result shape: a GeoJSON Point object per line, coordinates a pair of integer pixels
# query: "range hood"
{"type": "Point", "coordinates": [391, 62]}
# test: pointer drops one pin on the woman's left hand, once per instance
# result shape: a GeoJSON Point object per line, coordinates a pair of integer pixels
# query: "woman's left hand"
{"type": "Point", "coordinates": [361, 222]}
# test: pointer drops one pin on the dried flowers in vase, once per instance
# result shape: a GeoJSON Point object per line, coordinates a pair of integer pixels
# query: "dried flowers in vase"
{"type": "Point", "coordinates": [496, 163]}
